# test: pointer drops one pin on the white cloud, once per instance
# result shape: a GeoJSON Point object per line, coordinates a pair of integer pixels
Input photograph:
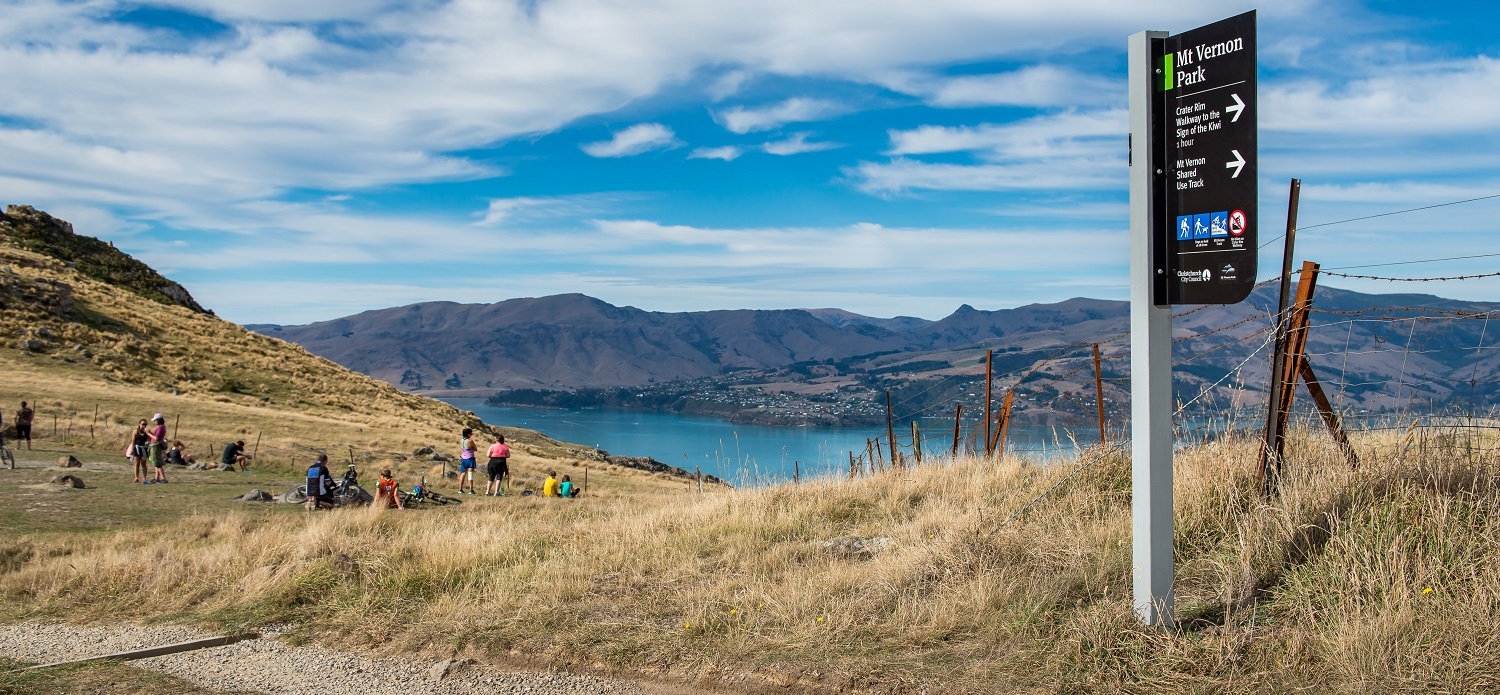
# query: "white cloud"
{"type": "Point", "coordinates": [346, 94]}
{"type": "Point", "coordinates": [860, 246]}
{"type": "Point", "coordinates": [727, 153]}
{"type": "Point", "coordinates": [797, 143]}
{"type": "Point", "coordinates": [1063, 152]}
{"type": "Point", "coordinates": [1036, 85]}
{"type": "Point", "coordinates": [503, 211]}
{"type": "Point", "coordinates": [739, 119]}
{"type": "Point", "coordinates": [637, 139]}
{"type": "Point", "coordinates": [1415, 100]}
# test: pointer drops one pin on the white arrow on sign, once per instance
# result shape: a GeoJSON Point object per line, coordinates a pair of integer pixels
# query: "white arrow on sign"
{"type": "Point", "coordinates": [1238, 109]}
{"type": "Point", "coordinates": [1237, 165]}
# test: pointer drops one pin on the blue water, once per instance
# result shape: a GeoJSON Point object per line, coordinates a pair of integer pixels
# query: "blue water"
{"type": "Point", "coordinates": [739, 454]}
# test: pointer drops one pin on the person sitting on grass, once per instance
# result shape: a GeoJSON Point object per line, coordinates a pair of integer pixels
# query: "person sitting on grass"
{"type": "Point", "coordinates": [177, 454]}
{"type": "Point", "coordinates": [319, 484]}
{"type": "Point", "coordinates": [549, 486]}
{"type": "Point", "coordinates": [385, 492]}
{"type": "Point", "coordinates": [566, 489]}
{"type": "Point", "coordinates": [497, 470]}
{"type": "Point", "coordinates": [234, 453]}
{"type": "Point", "coordinates": [138, 452]}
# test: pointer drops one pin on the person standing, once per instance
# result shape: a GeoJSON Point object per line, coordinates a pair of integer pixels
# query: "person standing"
{"type": "Point", "coordinates": [467, 461]}
{"type": "Point", "coordinates": [24, 417]}
{"type": "Point", "coordinates": [157, 448]}
{"type": "Point", "coordinates": [498, 469]}
{"type": "Point", "coordinates": [138, 452]}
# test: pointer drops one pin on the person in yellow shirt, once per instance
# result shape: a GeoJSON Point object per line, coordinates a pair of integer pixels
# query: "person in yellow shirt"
{"type": "Point", "coordinates": [549, 488]}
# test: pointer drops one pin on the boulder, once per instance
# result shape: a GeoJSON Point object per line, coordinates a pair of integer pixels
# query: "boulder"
{"type": "Point", "coordinates": [856, 547]}
{"type": "Point", "coordinates": [197, 467]}
{"type": "Point", "coordinates": [257, 496]}
{"type": "Point", "coordinates": [422, 451]}
{"type": "Point", "coordinates": [69, 461]}
{"type": "Point", "coordinates": [71, 481]}
{"type": "Point", "coordinates": [446, 667]}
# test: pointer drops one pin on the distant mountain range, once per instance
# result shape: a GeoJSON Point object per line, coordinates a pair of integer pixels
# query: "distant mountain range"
{"type": "Point", "coordinates": [782, 363]}
{"type": "Point", "coordinates": [573, 341]}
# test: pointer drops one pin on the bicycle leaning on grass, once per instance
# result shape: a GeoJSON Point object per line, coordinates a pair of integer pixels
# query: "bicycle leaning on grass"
{"type": "Point", "coordinates": [419, 494]}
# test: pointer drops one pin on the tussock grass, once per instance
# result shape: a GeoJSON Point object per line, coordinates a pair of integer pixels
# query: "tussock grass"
{"type": "Point", "coordinates": [70, 344]}
{"type": "Point", "coordinates": [1325, 588]}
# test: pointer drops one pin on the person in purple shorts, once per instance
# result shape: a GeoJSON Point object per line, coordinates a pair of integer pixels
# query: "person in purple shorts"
{"type": "Point", "coordinates": [467, 461]}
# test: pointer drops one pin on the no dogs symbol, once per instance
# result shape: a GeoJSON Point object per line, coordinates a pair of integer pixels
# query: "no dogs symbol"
{"type": "Point", "coordinates": [1237, 223]}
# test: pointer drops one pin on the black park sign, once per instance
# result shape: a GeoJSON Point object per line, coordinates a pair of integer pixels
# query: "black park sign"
{"type": "Point", "coordinates": [1204, 131]}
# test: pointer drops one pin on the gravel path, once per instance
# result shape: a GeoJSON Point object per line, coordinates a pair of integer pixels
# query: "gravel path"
{"type": "Point", "coordinates": [268, 665]}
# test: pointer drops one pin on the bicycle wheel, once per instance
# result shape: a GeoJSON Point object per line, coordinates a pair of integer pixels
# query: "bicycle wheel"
{"type": "Point", "coordinates": [443, 499]}
{"type": "Point", "coordinates": [7, 458]}
{"type": "Point", "coordinates": [296, 495]}
{"type": "Point", "coordinates": [353, 495]}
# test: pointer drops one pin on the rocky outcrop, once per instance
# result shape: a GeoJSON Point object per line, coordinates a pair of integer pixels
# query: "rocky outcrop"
{"type": "Point", "coordinates": [37, 231]}
{"type": "Point", "coordinates": [646, 463]}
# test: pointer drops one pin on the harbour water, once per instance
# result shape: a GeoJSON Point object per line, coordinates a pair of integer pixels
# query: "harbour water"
{"type": "Point", "coordinates": [738, 453]}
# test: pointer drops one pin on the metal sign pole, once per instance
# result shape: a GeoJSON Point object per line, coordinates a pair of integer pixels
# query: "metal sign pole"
{"type": "Point", "coordinates": [1150, 358]}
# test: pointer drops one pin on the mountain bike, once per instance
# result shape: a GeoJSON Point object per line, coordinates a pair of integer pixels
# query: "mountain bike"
{"type": "Point", "coordinates": [7, 459]}
{"type": "Point", "coordinates": [419, 494]}
{"type": "Point", "coordinates": [345, 491]}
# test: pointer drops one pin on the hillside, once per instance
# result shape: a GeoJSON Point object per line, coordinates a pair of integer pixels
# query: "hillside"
{"type": "Point", "coordinates": [1384, 579]}
{"type": "Point", "coordinates": [31, 229]}
{"type": "Point", "coordinates": [94, 354]}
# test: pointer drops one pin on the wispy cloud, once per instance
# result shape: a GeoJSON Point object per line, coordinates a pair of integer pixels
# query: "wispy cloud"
{"type": "Point", "coordinates": [740, 119]}
{"type": "Point", "coordinates": [1069, 151]}
{"type": "Point", "coordinates": [727, 153]}
{"type": "Point", "coordinates": [797, 143]}
{"type": "Point", "coordinates": [1034, 85]}
{"type": "Point", "coordinates": [637, 139]}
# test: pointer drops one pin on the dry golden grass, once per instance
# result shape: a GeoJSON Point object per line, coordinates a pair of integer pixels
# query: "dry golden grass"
{"type": "Point", "coordinates": [1324, 589]}
{"type": "Point", "coordinates": [93, 345]}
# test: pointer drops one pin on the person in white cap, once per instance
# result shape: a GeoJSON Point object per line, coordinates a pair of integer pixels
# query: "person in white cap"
{"type": "Point", "coordinates": [157, 447]}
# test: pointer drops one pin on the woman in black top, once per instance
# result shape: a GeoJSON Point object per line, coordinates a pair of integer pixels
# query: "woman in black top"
{"type": "Point", "coordinates": [138, 452]}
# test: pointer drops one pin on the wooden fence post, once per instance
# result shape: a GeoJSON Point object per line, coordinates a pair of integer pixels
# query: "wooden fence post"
{"type": "Point", "coordinates": [998, 445]}
{"type": "Point", "coordinates": [890, 431]}
{"type": "Point", "coordinates": [916, 442]}
{"type": "Point", "coordinates": [1286, 377]}
{"type": "Point", "coordinates": [989, 383]}
{"type": "Point", "coordinates": [958, 414]}
{"type": "Point", "coordinates": [1278, 358]}
{"type": "Point", "coordinates": [1099, 390]}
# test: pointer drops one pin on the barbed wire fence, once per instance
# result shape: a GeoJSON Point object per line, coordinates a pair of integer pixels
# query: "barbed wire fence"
{"type": "Point", "coordinates": [1370, 369]}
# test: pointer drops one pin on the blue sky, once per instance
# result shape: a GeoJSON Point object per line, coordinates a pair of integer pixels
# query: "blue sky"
{"type": "Point", "coordinates": [292, 161]}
